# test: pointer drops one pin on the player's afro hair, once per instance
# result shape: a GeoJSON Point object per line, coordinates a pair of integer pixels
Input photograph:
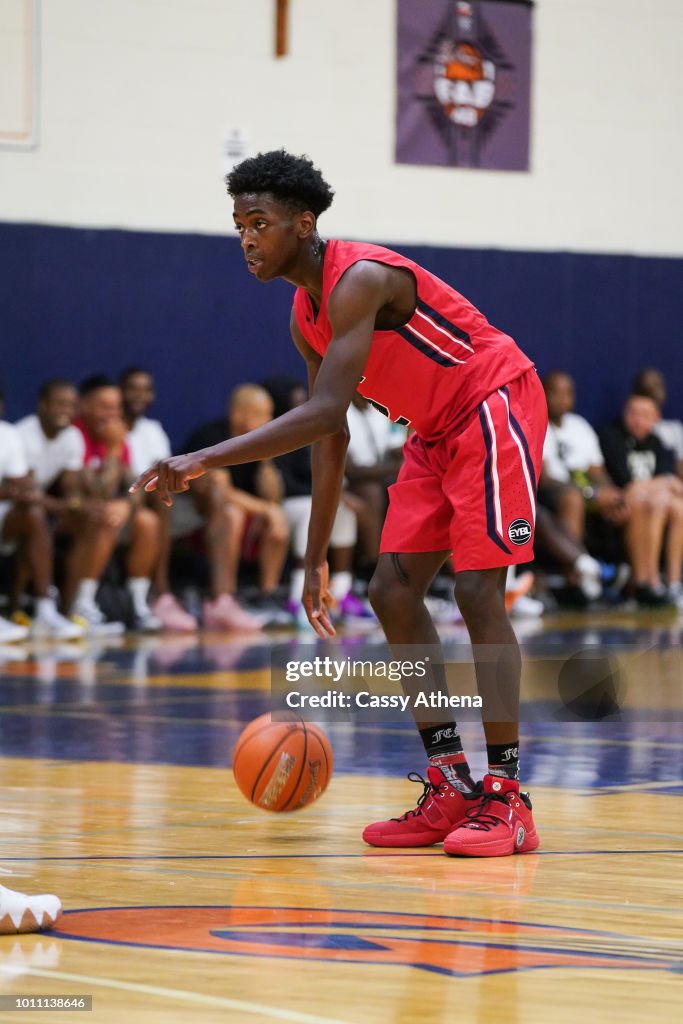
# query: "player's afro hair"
{"type": "Point", "coordinates": [293, 180]}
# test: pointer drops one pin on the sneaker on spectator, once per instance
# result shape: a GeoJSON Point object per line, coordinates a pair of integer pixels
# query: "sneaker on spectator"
{"type": "Point", "coordinates": [353, 607]}
{"type": "Point", "coordinates": [225, 613]}
{"type": "Point", "coordinates": [48, 624]}
{"type": "Point", "coordinates": [298, 614]}
{"type": "Point", "coordinates": [526, 607]}
{"type": "Point", "coordinates": [93, 620]}
{"type": "Point", "coordinates": [675, 592]}
{"type": "Point", "coordinates": [147, 622]}
{"type": "Point", "coordinates": [590, 576]}
{"type": "Point", "coordinates": [651, 597]}
{"type": "Point", "coordinates": [173, 617]}
{"type": "Point", "coordinates": [269, 611]}
{"type": "Point", "coordinates": [517, 587]}
{"type": "Point", "coordinates": [11, 633]}
{"type": "Point", "coordinates": [443, 611]}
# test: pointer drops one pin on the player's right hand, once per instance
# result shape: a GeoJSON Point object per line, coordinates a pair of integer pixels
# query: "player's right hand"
{"type": "Point", "coordinates": [171, 476]}
{"type": "Point", "coordinates": [317, 600]}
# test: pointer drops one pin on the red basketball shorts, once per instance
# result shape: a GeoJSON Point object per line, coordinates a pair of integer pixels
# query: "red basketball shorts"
{"type": "Point", "coordinates": [474, 492]}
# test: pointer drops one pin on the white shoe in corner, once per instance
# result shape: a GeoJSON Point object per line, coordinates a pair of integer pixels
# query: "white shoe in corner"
{"type": "Point", "coordinates": [10, 633]}
{"type": "Point", "coordinates": [20, 913]}
{"type": "Point", "coordinates": [48, 624]}
{"type": "Point", "coordinates": [93, 620]}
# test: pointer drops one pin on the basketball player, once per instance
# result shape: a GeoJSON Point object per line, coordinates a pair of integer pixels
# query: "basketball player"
{"type": "Point", "coordinates": [367, 318]}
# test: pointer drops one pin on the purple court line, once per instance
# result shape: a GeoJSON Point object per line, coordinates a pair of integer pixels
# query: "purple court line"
{"type": "Point", "coordinates": [316, 856]}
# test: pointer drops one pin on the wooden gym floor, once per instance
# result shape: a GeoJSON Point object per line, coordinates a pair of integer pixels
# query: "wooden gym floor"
{"type": "Point", "coordinates": [185, 903]}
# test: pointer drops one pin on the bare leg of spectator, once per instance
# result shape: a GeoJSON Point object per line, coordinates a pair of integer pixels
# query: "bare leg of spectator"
{"type": "Point", "coordinates": [27, 524]}
{"type": "Point", "coordinates": [571, 510]}
{"type": "Point", "coordinates": [572, 556]}
{"type": "Point", "coordinates": [644, 531]}
{"type": "Point", "coordinates": [166, 607]}
{"type": "Point", "coordinates": [273, 548]}
{"type": "Point", "coordinates": [95, 540]}
{"type": "Point", "coordinates": [223, 535]}
{"type": "Point", "coordinates": [162, 583]}
{"type": "Point", "coordinates": [141, 561]}
{"type": "Point", "coordinates": [674, 543]}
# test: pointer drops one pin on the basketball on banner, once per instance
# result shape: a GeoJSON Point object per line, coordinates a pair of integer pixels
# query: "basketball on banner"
{"type": "Point", "coordinates": [464, 81]}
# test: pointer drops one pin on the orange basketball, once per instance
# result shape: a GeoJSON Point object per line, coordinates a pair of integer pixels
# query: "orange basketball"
{"type": "Point", "coordinates": [282, 766]}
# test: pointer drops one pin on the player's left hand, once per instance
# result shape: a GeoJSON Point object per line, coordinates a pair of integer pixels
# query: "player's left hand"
{"type": "Point", "coordinates": [317, 600]}
{"type": "Point", "coordinates": [171, 475]}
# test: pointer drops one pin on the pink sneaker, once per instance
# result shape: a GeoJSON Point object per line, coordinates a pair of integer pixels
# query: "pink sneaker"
{"type": "Point", "coordinates": [173, 617]}
{"type": "Point", "coordinates": [225, 613]}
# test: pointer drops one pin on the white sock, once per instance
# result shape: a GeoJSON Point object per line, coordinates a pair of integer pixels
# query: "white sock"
{"type": "Point", "coordinates": [87, 589]}
{"type": "Point", "coordinates": [296, 584]}
{"type": "Point", "coordinates": [340, 584]}
{"type": "Point", "coordinates": [138, 587]}
{"type": "Point", "coordinates": [46, 608]}
{"type": "Point", "coordinates": [589, 571]}
{"type": "Point", "coordinates": [585, 564]}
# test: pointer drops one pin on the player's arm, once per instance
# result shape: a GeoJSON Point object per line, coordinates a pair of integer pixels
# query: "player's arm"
{"type": "Point", "coordinates": [352, 310]}
{"type": "Point", "coordinates": [328, 456]}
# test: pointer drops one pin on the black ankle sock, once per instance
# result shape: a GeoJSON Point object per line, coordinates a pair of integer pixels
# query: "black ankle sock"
{"type": "Point", "coordinates": [443, 747]}
{"type": "Point", "coordinates": [441, 739]}
{"type": "Point", "coordinates": [503, 759]}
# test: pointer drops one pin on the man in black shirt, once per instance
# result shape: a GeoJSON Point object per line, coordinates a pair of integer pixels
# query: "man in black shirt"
{"type": "Point", "coordinates": [637, 461]}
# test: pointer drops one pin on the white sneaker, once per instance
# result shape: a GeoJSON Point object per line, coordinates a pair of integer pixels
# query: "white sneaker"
{"type": "Point", "coordinates": [50, 625]}
{"type": "Point", "coordinates": [675, 591]}
{"type": "Point", "coordinates": [442, 611]}
{"type": "Point", "coordinates": [527, 608]}
{"type": "Point", "coordinates": [10, 633]}
{"type": "Point", "coordinates": [20, 913]}
{"type": "Point", "coordinates": [148, 622]}
{"type": "Point", "coordinates": [590, 576]}
{"type": "Point", "coordinates": [92, 620]}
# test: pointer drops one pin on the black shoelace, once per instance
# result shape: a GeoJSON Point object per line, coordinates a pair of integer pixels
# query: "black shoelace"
{"type": "Point", "coordinates": [477, 815]}
{"type": "Point", "coordinates": [427, 791]}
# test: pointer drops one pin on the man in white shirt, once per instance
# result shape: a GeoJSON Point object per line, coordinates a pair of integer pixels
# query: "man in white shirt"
{"type": "Point", "coordinates": [53, 446]}
{"type": "Point", "coordinates": [23, 519]}
{"type": "Point", "coordinates": [13, 470]}
{"type": "Point", "coordinates": [574, 479]}
{"type": "Point", "coordinates": [147, 443]}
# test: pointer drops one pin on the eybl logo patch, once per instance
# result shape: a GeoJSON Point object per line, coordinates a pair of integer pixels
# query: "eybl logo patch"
{"type": "Point", "coordinates": [520, 532]}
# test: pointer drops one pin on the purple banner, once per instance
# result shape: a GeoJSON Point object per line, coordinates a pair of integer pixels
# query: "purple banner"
{"type": "Point", "coordinates": [464, 82]}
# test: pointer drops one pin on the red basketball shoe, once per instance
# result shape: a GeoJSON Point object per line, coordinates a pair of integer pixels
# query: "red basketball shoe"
{"type": "Point", "coordinates": [497, 823]}
{"type": "Point", "coordinates": [438, 811]}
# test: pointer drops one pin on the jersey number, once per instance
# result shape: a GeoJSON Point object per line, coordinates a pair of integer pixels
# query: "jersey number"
{"type": "Point", "coordinates": [402, 421]}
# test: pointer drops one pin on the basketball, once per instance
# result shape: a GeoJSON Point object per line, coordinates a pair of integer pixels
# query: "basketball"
{"type": "Point", "coordinates": [282, 766]}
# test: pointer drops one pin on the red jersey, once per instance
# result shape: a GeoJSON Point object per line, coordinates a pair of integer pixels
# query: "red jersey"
{"type": "Point", "coordinates": [95, 452]}
{"type": "Point", "coordinates": [436, 369]}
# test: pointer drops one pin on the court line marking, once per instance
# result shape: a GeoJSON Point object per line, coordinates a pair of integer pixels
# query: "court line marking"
{"type": "Point", "coordinates": [258, 1009]}
{"type": "Point", "coordinates": [404, 887]}
{"type": "Point", "coordinates": [629, 787]}
{"type": "Point", "coordinates": [312, 856]}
